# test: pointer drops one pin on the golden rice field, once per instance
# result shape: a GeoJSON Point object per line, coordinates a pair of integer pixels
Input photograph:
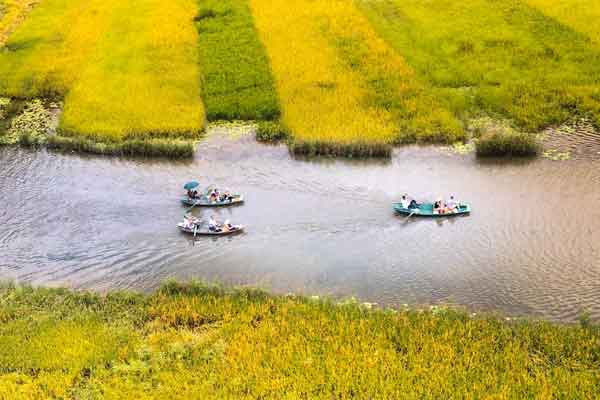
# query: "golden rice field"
{"type": "Point", "coordinates": [142, 78]}
{"type": "Point", "coordinates": [347, 76]}
{"type": "Point", "coordinates": [12, 12]}
{"type": "Point", "coordinates": [581, 15]}
{"type": "Point", "coordinates": [197, 342]}
{"type": "Point", "coordinates": [328, 64]}
{"type": "Point", "coordinates": [125, 69]}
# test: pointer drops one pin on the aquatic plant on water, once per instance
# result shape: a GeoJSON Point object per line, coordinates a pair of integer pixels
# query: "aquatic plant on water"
{"type": "Point", "coordinates": [32, 126]}
{"type": "Point", "coordinates": [271, 131]}
{"type": "Point", "coordinates": [556, 155]}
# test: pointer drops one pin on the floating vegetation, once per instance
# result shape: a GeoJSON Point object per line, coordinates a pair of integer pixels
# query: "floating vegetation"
{"type": "Point", "coordinates": [200, 342]}
{"type": "Point", "coordinates": [463, 148]}
{"type": "Point", "coordinates": [556, 155]}
{"type": "Point", "coordinates": [32, 126]}
{"type": "Point", "coordinates": [4, 102]}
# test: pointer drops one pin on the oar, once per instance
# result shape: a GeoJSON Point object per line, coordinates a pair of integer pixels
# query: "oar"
{"type": "Point", "coordinates": [409, 215]}
{"type": "Point", "coordinates": [195, 230]}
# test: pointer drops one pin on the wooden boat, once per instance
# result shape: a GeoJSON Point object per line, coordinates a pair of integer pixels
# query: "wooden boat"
{"type": "Point", "coordinates": [204, 201]}
{"type": "Point", "coordinates": [201, 230]}
{"type": "Point", "coordinates": [426, 210]}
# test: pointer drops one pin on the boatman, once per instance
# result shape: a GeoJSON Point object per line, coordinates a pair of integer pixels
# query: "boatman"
{"type": "Point", "coordinates": [404, 202]}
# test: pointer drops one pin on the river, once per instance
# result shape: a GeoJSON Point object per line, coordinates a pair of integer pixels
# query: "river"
{"type": "Point", "coordinates": [317, 227]}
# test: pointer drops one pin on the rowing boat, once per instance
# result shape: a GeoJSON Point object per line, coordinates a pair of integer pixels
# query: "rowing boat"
{"type": "Point", "coordinates": [204, 231]}
{"type": "Point", "coordinates": [206, 202]}
{"type": "Point", "coordinates": [426, 210]}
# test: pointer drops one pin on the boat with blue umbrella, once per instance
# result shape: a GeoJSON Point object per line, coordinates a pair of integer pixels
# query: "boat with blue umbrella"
{"type": "Point", "coordinates": [210, 197]}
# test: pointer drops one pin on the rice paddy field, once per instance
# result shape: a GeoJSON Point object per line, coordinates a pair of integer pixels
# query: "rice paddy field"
{"type": "Point", "coordinates": [12, 12]}
{"type": "Point", "coordinates": [128, 77]}
{"type": "Point", "coordinates": [580, 15]}
{"type": "Point", "coordinates": [505, 58]}
{"type": "Point", "coordinates": [341, 77]}
{"type": "Point", "coordinates": [237, 81]}
{"type": "Point", "coordinates": [194, 341]}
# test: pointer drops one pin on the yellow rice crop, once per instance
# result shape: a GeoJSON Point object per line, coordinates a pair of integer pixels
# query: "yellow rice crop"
{"type": "Point", "coordinates": [12, 13]}
{"type": "Point", "coordinates": [126, 68]}
{"type": "Point", "coordinates": [54, 44]}
{"type": "Point", "coordinates": [324, 98]}
{"type": "Point", "coordinates": [143, 77]}
{"type": "Point", "coordinates": [581, 15]}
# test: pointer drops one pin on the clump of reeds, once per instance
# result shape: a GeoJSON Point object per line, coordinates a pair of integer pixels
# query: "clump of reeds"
{"type": "Point", "coordinates": [168, 148]}
{"type": "Point", "coordinates": [271, 131]}
{"type": "Point", "coordinates": [350, 150]}
{"type": "Point", "coordinates": [507, 144]}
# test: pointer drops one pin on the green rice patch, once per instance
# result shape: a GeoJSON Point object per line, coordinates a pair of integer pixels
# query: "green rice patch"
{"type": "Point", "coordinates": [237, 82]}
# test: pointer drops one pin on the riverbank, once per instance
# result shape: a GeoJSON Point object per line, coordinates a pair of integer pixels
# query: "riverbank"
{"type": "Point", "coordinates": [197, 341]}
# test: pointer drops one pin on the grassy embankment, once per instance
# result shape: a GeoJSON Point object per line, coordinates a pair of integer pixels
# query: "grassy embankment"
{"type": "Point", "coordinates": [128, 73]}
{"type": "Point", "coordinates": [197, 342]}
{"type": "Point", "coordinates": [501, 58]}
{"type": "Point", "coordinates": [342, 89]}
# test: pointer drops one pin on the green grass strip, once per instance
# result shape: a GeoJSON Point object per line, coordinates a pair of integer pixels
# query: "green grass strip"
{"type": "Point", "coordinates": [503, 57]}
{"type": "Point", "coordinates": [237, 81]}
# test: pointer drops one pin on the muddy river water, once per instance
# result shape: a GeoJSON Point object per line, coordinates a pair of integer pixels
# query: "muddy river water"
{"type": "Point", "coordinates": [320, 227]}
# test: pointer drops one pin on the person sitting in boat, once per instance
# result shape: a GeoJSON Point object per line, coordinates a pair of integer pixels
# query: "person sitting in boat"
{"type": "Point", "coordinates": [404, 202]}
{"type": "Point", "coordinates": [213, 225]}
{"type": "Point", "coordinates": [214, 196]}
{"type": "Point", "coordinates": [189, 221]}
{"type": "Point", "coordinates": [438, 207]}
{"type": "Point", "coordinates": [192, 194]}
{"type": "Point", "coordinates": [227, 196]}
{"type": "Point", "coordinates": [227, 226]}
{"type": "Point", "coordinates": [413, 204]}
{"type": "Point", "coordinates": [451, 205]}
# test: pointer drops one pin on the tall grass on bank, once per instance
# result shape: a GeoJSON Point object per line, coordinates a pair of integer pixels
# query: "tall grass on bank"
{"type": "Point", "coordinates": [191, 341]}
{"type": "Point", "coordinates": [167, 148]}
{"type": "Point", "coordinates": [127, 70]}
{"type": "Point", "coordinates": [236, 77]}
{"type": "Point", "coordinates": [12, 13]}
{"type": "Point", "coordinates": [339, 85]}
{"type": "Point", "coordinates": [581, 15]}
{"type": "Point", "coordinates": [501, 57]}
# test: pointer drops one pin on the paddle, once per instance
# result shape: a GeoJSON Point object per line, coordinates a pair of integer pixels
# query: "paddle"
{"type": "Point", "coordinates": [195, 230]}
{"type": "Point", "coordinates": [409, 215]}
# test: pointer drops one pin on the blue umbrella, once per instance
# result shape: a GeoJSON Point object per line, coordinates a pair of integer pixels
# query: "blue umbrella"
{"type": "Point", "coordinates": [191, 185]}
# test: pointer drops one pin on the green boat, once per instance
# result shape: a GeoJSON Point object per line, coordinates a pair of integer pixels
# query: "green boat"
{"type": "Point", "coordinates": [204, 201]}
{"type": "Point", "coordinates": [426, 210]}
